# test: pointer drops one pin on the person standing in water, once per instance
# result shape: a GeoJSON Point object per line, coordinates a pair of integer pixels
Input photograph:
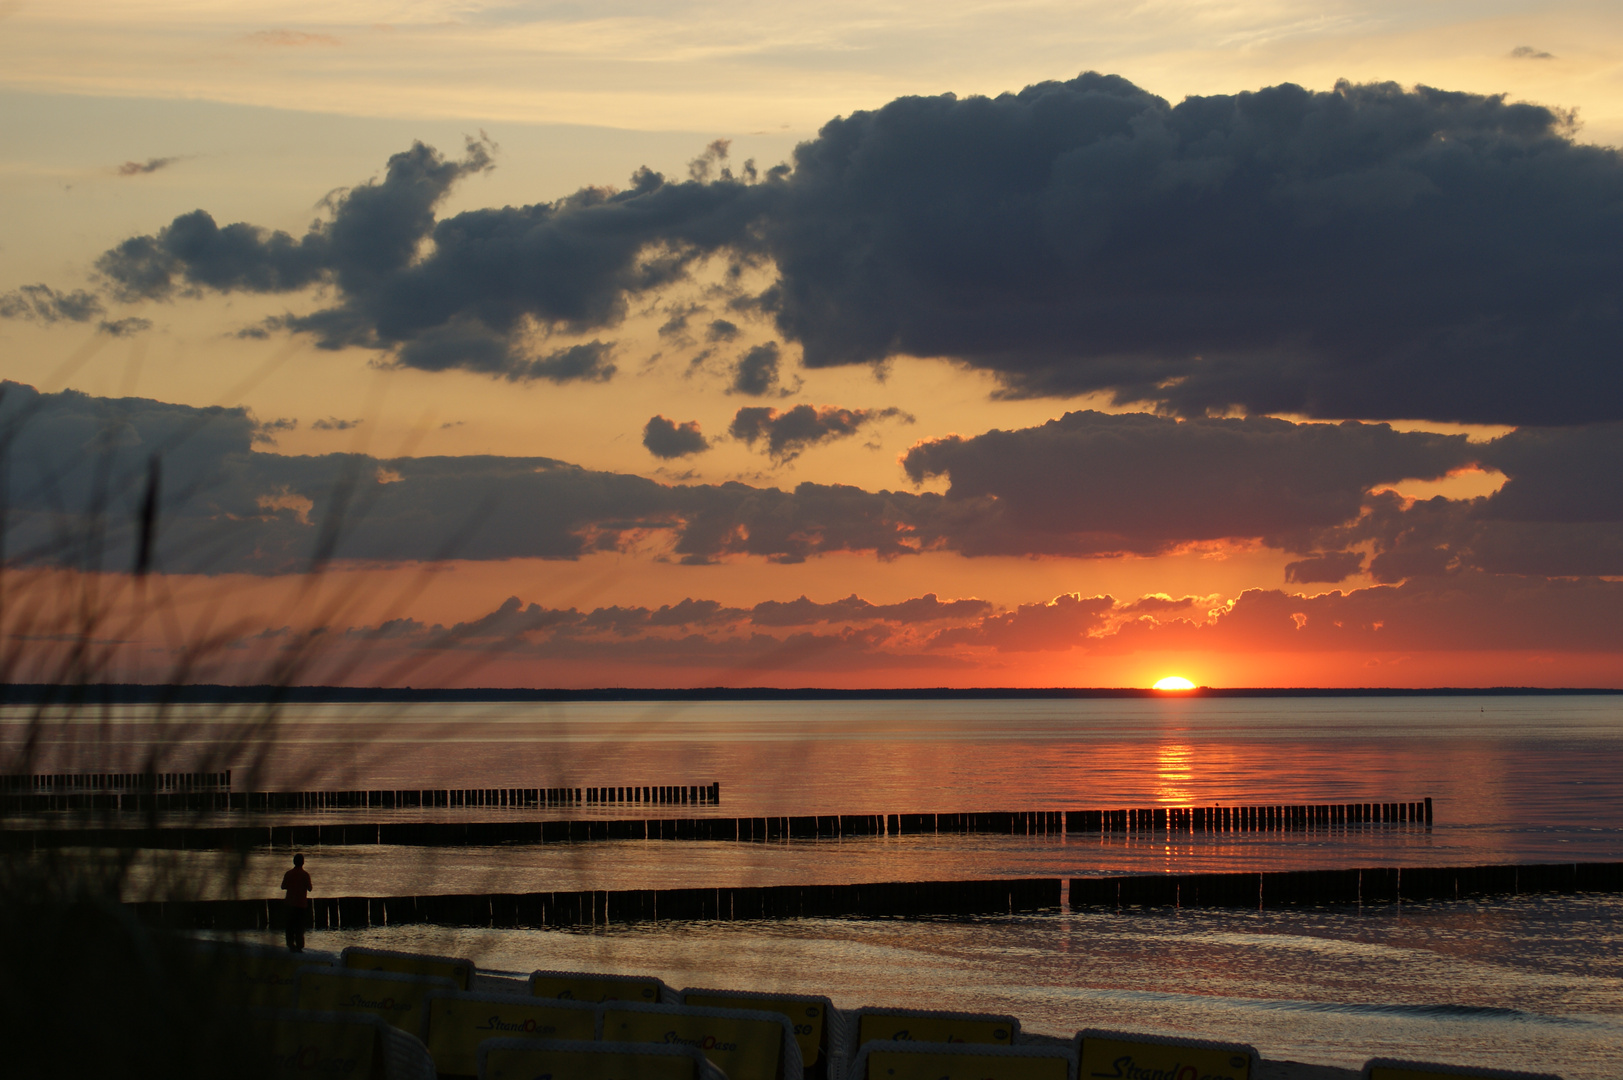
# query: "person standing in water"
{"type": "Point", "coordinates": [296, 883]}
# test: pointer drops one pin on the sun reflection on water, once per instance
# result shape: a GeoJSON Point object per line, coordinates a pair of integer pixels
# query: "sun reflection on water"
{"type": "Point", "coordinates": [1173, 773]}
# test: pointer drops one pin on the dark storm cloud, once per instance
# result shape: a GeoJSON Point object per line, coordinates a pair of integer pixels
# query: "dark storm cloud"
{"type": "Point", "coordinates": [1362, 252]}
{"type": "Point", "coordinates": [667, 439]}
{"type": "Point", "coordinates": [791, 431]}
{"type": "Point", "coordinates": [1144, 483]}
{"type": "Point", "coordinates": [1566, 474]}
{"type": "Point", "coordinates": [41, 303]}
{"type": "Point", "coordinates": [721, 330]}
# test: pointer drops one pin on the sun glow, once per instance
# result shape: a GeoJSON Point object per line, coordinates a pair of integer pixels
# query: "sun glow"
{"type": "Point", "coordinates": [1174, 682]}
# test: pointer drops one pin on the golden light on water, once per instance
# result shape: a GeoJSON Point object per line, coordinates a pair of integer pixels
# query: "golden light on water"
{"type": "Point", "coordinates": [1174, 682]}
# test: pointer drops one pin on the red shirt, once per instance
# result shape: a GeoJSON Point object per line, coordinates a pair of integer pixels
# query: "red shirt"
{"type": "Point", "coordinates": [297, 883]}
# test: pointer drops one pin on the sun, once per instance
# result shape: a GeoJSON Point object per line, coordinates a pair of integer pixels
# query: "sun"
{"type": "Point", "coordinates": [1174, 682]}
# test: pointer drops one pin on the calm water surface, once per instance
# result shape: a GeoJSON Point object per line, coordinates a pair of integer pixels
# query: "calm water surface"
{"type": "Point", "coordinates": [1527, 982]}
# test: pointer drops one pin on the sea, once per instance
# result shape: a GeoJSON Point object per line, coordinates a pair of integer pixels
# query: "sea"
{"type": "Point", "coordinates": [1530, 982]}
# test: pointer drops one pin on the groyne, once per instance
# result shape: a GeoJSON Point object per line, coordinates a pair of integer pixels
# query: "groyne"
{"type": "Point", "coordinates": [602, 908]}
{"type": "Point", "coordinates": [1370, 885]}
{"type": "Point", "coordinates": [1367, 885]}
{"type": "Point", "coordinates": [193, 792]}
{"type": "Point", "coordinates": [1166, 821]}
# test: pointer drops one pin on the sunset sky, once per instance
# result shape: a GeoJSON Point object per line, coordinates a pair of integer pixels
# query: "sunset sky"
{"type": "Point", "coordinates": [891, 344]}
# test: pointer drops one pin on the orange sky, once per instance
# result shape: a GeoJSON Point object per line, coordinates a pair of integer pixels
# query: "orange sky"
{"type": "Point", "coordinates": [1000, 408]}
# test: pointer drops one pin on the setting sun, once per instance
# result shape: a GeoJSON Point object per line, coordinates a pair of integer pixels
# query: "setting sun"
{"type": "Point", "coordinates": [1174, 682]}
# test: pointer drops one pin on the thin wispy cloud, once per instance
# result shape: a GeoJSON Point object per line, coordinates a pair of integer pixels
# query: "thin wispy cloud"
{"type": "Point", "coordinates": [143, 168]}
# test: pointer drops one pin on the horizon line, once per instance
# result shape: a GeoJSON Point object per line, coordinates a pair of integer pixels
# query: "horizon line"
{"type": "Point", "coordinates": [221, 693]}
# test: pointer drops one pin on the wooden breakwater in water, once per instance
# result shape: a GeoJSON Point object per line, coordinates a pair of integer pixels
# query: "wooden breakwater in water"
{"type": "Point", "coordinates": [600, 908]}
{"type": "Point", "coordinates": [1368, 885]}
{"type": "Point", "coordinates": [1266, 818]}
{"type": "Point", "coordinates": [806, 827]}
{"type": "Point", "coordinates": [488, 833]}
{"type": "Point", "coordinates": [902, 899]}
{"type": "Point", "coordinates": [171, 792]}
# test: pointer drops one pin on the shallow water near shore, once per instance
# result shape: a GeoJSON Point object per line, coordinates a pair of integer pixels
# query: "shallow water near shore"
{"type": "Point", "coordinates": [1520, 982]}
{"type": "Point", "coordinates": [1528, 983]}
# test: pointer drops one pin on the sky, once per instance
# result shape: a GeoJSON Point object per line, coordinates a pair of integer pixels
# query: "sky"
{"type": "Point", "coordinates": [879, 345]}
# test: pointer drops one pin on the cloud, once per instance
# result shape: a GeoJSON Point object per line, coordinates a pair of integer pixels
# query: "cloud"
{"type": "Point", "coordinates": [490, 280]}
{"type": "Point", "coordinates": [1442, 537]}
{"type": "Point", "coordinates": [142, 168]}
{"type": "Point", "coordinates": [1559, 513]}
{"type": "Point", "coordinates": [722, 330]}
{"type": "Point", "coordinates": [227, 508]}
{"type": "Point", "coordinates": [1141, 483]}
{"type": "Point", "coordinates": [333, 423]}
{"type": "Point", "coordinates": [1560, 474]}
{"type": "Point", "coordinates": [126, 327]}
{"type": "Point", "coordinates": [925, 609]}
{"type": "Point", "coordinates": [41, 303]}
{"type": "Point", "coordinates": [791, 431]}
{"type": "Point", "coordinates": [1527, 52]}
{"type": "Point", "coordinates": [265, 432]}
{"type": "Point", "coordinates": [713, 159]}
{"type": "Point", "coordinates": [1330, 568]}
{"type": "Point", "coordinates": [692, 632]}
{"type": "Point", "coordinates": [1363, 252]}
{"type": "Point", "coordinates": [1062, 623]}
{"type": "Point", "coordinates": [756, 373]}
{"type": "Point", "coordinates": [1466, 613]}
{"type": "Point", "coordinates": [667, 439]}
{"type": "Point", "coordinates": [1085, 485]}
{"type": "Point", "coordinates": [1473, 613]}
{"type": "Point", "coordinates": [1367, 252]}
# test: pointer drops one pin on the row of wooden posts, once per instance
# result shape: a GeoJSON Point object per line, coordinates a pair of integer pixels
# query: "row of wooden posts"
{"type": "Point", "coordinates": [57, 784]}
{"type": "Point", "coordinates": [184, 797]}
{"type": "Point", "coordinates": [916, 898]}
{"type": "Point", "coordinates": [826, 826]}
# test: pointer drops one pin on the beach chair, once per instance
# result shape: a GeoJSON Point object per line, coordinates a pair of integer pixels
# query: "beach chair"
{"type": "Point", "coordinates": [745, 1044]}
{"type": "Point", "coordinates": [899, 1060]}
{"type": "Point", "coordinates": [594, 987]}
{"type": "Point", "coordinates": [813, 1018]}
{"type": "Point", "coordinates": [341, 1046]}
{"type": "Point", "coordinates": [563, 1059]}
{"type": "Point", "coordinates": [260, 976]}
{"type": "Point", "coordinates": [456, 1022]}
{"type": "Point", "coordinates": [397, 999]}
{"type": "Point", "coordinates": [1392, 1069]}
{"type": "Point", "coordinates": [1112, 1053]}
{"type": "Point", "coordinates": [929, 1025]}
{"type": "Point", "coordinates": [405, 963]}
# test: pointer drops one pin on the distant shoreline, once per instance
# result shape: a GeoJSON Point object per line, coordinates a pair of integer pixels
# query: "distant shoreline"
{"type": "Point", "coordinates": [211, 694]}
